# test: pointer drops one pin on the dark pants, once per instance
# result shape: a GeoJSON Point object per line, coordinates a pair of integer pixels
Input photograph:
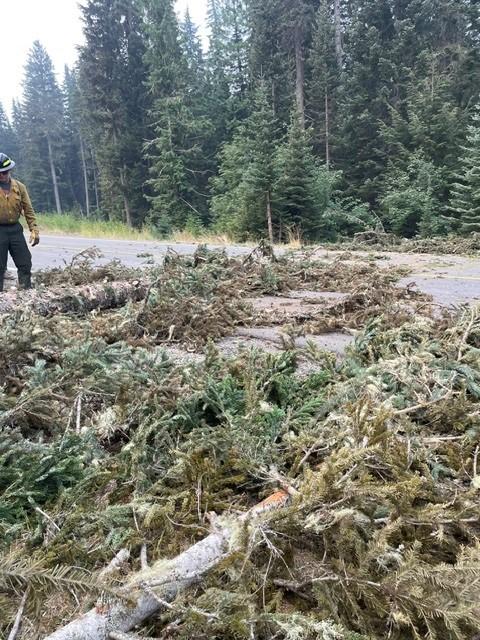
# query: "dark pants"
{"type": "Point", "coordinates": [13, 241]}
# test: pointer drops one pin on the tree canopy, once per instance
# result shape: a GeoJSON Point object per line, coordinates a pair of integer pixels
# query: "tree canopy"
{"type": "Point", "coordinates": [292, 115]}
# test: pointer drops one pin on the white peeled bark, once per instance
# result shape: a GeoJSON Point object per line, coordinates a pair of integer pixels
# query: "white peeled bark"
{"type": "Point", "coordinates": [164, 579]}
{"type": "Point", "coordinates": [147, 591]}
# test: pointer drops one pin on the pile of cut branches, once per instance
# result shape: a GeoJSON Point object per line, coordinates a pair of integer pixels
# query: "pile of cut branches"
{"type": "Point", "coordinates": [347, 501]}
{"type": "Point", "coordinates": [440, 245]}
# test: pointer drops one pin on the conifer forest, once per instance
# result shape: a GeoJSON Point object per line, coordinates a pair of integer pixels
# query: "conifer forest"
{"type": "Point", "coordinates": [315, 118]}
{"type": "Point", "coordinates": [273, 440]}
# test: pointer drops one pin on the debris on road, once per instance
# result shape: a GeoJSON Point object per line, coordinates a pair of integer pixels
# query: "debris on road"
{"type": "Point", "coordinates": [344, 502]}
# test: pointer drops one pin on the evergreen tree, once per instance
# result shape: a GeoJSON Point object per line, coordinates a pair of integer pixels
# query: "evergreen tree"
{"type": "Point", "coordinates": [322, 87]}
{"type": "Point", "coordinates": [176, 154]}
{"type": "Point", "coordinates": [465, 200]}
{"type": "Point", "coordinates": [281, 37]}
{"type": "Point", "coordinates": [368, 81]}
{"type": "Point", "coordinates": [228, 203]}
{"type": "Point", "coordinates": [269, 59]}
{"type": "Point", "coordinates": [74, 185]}
{"type": "Point", "coordinates": [228, 54]}
{"type": "Point", "coordinates": [243, 201]}
{"type": "Point", "coordinates": [197, 99]}
{"type": "Point", "coordinates": [260, 174]}
{"type": "Point", "coordinates": [296, 188]}
{"type": "Point", "coordinates": [410, 203]}
{"type": "Point", "coordinates": [42, 123]}
{"type": "Point", "coordinates": [112, 78]}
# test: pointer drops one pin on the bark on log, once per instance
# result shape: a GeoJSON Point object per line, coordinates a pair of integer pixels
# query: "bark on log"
{"type": "Point", "coordinates": [164, 580]}
{"type": "Point", "coordinates": [48, 302]}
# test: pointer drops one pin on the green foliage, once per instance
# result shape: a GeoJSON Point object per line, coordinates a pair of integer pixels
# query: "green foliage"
{"type": "Point", "coordinates": [150, 128]}
{"type": "Point", "coordinates": [114, 103]}
{"type": "Point", "coordinates": [410, 202]}
{"type": "Point", "coordinates": [41, 127]}
{"type": "Point", "coordinates": [8, 138]}
{"type": "Point", "coordinates": [297, 184]}
{"type": "Point", "coordinates": [465, 199]}
{"type": "Point", "coordinates": [244, 190]}
{"type": "Point", "coordinates": [176, 154]}
{"type": "Point", "coordinates": [322, 90]}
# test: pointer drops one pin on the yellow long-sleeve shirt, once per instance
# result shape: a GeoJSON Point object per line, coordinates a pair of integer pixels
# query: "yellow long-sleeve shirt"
{"type": "Point", "coordinates": [16, 202]}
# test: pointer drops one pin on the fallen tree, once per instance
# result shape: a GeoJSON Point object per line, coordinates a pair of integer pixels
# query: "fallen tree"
{"type": "Point", "coordinates": [154, 588]}
{"type": "Point", "coordinates": [79, 300]}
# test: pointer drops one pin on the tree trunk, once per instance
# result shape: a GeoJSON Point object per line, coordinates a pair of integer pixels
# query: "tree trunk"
{"type": "Point", "coordinates": [126, 204]}
{"type": "Point", "coordinates": [123, 183]}
{"type": "Point", "coordinates": [238, 42]}
{"type": "Point", "coordinates": [338, 34]}
{"type": "Point", "coordinates": [327, 130]}
{"type": "Point", "coordinates": [269, 217]}
{"type": "Point", "coordinates": [81, 299]}
{"type": "Point", "coordinates": [95, 180]}
{"type": "Point", "coordinates": [149, 590]}
{"type": "Point", "coordinates": [300, 69]}
{"type": "Point", "coordinates": [54, 176]}
{"type": "Point", "coordinates": [85, 176]}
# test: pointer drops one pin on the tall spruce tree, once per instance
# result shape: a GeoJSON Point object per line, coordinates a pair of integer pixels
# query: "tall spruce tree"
{"type": "Point", "coordinates": [42, 118]}
{"type": "Point", "coordinates": [243, 193]}
{"type": "Point", "coordinates": [465, 200]}
{"type": "Point", "coordinates": [179, 153]}
{"type": "Point", "coordinates": [112, 78]}
{"type": "Point", "coordinates": [227, 203]}
{"type": "Point", "coordinates": [260, 174]}
{"type": "Point", "coordinates": [368, 79]}
{"type": "Point", "coordinates": [269, 59]}
{"type": "Point", "coordinates": [73, 175]}
{"type": "Point", "coordinates": [281, 37]}
{"type": "Point", "coordinates": [296, 187]}
{"type": "Point", "coordinates": [323, 81]}
{"type": "Point", "coordinates": [410, 204]}
{"type": "Point", "coordinates": [227, 66]}
{"type": "Point", "coordinates": [197, 99]}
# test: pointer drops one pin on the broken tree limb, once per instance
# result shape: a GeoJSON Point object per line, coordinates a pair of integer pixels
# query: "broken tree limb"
{"type": "Point", "coordinates": [81, 299]}
{"type": "Point", "coordinates": [115, 565]}
{"type": "Point", "coordinates": [147, 591]}
{"type": "Point", "coordinates": [18, 619]}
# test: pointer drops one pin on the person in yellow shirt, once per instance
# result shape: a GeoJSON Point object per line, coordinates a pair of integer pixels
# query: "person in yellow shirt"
{"type": "Point", "coordinates": [15, 201]}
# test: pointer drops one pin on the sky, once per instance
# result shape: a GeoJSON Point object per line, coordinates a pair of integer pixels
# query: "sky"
{"type": "Point", "coordinates": [57, 24]}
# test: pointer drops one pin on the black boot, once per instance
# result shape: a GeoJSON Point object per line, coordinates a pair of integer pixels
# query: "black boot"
{"type": "Point", "coordinates": [1, 281]}
{"type": "Point", "coordinates": [24, 280]}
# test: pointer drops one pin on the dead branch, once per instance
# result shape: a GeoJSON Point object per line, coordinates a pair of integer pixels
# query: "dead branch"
{"type": "Point", "coordinates": [149, 591]}
{"type": "Point", "coordinates": [18, 619]}
{"type": "Point", "coordinates": [120, 559]}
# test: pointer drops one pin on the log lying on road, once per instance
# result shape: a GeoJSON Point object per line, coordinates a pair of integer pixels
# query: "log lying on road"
{"type": "Point", "coordinates": [149, 591]}
{"type": "Point", "coordinates": [82, 299]}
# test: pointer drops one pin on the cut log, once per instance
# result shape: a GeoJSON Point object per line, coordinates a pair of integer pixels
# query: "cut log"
{"type": "Point", "coordinates": [147, 591]}
{"type": "Point", "coordinates": [78, 300]}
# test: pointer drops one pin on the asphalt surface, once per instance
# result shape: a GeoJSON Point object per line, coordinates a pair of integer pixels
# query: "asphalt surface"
{"type": "Point", "coordinates": [451, 280]}
{"type": "Point", "coordinates": [58, 251]}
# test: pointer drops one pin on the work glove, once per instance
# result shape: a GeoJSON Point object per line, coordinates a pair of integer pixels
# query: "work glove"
{"type": "Point", "coordinates": [34, 237]}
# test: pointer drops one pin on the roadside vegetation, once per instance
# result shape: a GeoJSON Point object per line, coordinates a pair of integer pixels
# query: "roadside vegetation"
{"type": "Point", "coordinates": [318, 119]}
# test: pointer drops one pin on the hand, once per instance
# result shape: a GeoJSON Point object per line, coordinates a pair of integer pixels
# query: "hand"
{"type": "Point", "coordinates": [34, 237]}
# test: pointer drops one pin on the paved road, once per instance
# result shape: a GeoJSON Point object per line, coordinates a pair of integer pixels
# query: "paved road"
{"type": "Point", "coordinates": [450, 279]}
{"type": "Point", "coordinates": [56, 251]}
